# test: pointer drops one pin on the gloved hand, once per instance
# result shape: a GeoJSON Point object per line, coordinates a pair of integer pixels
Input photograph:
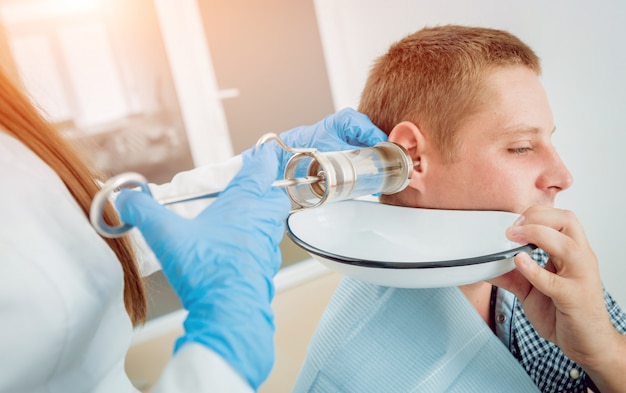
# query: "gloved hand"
{"type": "Point", "coordinates": [344, 130]}
{"type": "Point", "coordinates": [221, 263]}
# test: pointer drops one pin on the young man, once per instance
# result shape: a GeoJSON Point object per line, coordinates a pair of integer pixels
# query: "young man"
{"type": "Point", "coordinates": [468, 105]}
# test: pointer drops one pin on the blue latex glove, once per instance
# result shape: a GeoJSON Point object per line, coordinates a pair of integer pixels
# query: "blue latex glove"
{"type": "Point", "coordinates": [221, 263]}
{"type": "Point", "coordinates": [344, 130]}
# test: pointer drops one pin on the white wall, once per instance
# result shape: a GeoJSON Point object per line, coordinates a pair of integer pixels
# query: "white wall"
{"type": "Point", "coordinates": [583, 53]}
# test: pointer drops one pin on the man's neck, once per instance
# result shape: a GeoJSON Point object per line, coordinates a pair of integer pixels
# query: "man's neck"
{"type": "Point", "coordinates": [479, 294]}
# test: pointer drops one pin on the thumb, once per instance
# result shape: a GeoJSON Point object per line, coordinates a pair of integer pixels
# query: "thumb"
{"type": "Point", "coordinates": [544, 280]}
{"type": "Point", "coordinates": [142, 211]}
{"type": "Point", "coordinates": [259, 170]}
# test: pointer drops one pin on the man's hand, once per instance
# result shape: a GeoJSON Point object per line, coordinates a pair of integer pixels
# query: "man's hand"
{"type": "Point", "coordinates": [565, 301]}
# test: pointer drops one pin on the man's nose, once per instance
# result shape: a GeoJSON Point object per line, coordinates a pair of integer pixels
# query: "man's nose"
{"type": "Point", "coordinates": [556, 175]}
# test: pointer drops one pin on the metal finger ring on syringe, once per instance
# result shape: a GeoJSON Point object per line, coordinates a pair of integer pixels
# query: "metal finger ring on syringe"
{"type": "Point", "coordinates": [311, 178]}
{"type": "Point", "coordinates": [132, 179]}
{"type": "Point", "coordinates": [332, 176]}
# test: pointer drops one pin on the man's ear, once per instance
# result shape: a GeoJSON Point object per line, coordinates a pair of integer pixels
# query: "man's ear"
{"type": "Point", "coordinates": [409, 136]}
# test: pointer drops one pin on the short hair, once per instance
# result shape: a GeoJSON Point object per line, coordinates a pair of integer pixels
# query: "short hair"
{"type": "Point", "coordinates": [434, 77]}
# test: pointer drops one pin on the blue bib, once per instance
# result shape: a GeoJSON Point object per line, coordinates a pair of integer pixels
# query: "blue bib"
{"type": "Point", "coordinates": [380, 339]}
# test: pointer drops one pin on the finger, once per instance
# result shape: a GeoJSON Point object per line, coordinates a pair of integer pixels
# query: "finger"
{"type": "Point", "coordinates": [141, 210]}
{"type": "Point", "coordinates": [356, 129]}
{"type": "Point", "coordinates": [545, 281]}
{"type": "Point", "coordinates": [546, 238]}
{"type": "Point", "coordinates": [259, 170]}
{"type": "Point", "coordinates": [563, 221]}
{"type": "Point", "coordinates": [250, 195]}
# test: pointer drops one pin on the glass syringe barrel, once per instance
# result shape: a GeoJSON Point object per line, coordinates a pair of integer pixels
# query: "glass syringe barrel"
{"type": "Point", "coordinates": [385, 168]}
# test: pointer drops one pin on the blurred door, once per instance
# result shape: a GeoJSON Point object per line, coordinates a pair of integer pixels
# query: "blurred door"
{"type": "Point", "coordinates": [271, 52]}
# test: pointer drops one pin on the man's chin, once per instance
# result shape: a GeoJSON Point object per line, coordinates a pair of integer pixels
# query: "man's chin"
{"type": "Point", "coordinates": [538, 203]}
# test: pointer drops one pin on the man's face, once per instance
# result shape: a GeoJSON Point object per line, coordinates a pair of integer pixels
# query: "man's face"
{"type": "Point", "coordinates": [505, 159]}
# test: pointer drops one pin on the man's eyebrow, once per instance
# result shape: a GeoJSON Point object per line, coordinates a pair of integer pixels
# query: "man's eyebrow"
{"type": "Point", "coordinates": [516, 132]}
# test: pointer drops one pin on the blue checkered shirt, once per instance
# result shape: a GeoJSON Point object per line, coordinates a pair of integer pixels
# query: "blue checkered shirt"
{"type": "Point", "coordinates": [551, 370]}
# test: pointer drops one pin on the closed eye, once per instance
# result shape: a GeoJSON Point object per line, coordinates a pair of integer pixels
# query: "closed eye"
{"type": "Point", "coordinates": [520, 150]}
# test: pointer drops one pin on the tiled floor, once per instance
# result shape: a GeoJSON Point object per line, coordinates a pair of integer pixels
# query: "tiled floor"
{"type": "Point", "coordinates": [298, 308]}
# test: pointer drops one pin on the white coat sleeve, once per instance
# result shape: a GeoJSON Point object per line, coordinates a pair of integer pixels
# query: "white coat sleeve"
{"type": "Point", "coordinates": [207, 178]}
{"type": "Point", "coordinates": [195, 368]}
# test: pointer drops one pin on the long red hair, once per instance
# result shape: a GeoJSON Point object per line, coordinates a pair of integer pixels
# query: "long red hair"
{"type": "Point", "coordinates": [19, 118]}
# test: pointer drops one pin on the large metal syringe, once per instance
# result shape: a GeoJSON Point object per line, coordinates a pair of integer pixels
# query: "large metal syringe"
{"type": "Point", "coordinates": [333, 176]}
{"type": "Point", "coordinates": [311, 178]}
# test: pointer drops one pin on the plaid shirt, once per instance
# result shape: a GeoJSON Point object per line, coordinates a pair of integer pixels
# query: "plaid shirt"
{"type": "Point", "coordinates": [549, 368]}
